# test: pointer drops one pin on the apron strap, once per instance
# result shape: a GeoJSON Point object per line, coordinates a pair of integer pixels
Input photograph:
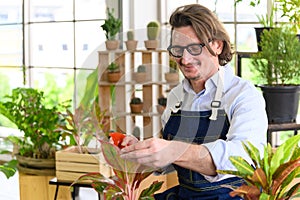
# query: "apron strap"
{"type": "Point", "coordinates": [216, 103]}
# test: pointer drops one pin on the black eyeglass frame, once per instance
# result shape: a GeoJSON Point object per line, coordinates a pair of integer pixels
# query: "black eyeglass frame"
{"type": "Point", "coordinates": [182, 48]}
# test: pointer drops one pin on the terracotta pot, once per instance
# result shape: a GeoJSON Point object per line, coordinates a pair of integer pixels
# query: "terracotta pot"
{"type": "Point", "coordinates": [136, 108]}
{"type": "Point", "coordinates": [151, 44]}
{"type": "Point", "coordinates": [140, 77]}
{"type": "Point", "coordinates": [172, 77]}
{"type": "Point", "coordinates": [131, 44]}
{"type": "Point", "coordinates": [112, 44]}
{"type": "Point", "coordinates": [113, 77]}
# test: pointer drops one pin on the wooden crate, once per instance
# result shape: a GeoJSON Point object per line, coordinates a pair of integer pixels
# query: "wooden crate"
{"type": "Point", "coordinates": [70, 164]}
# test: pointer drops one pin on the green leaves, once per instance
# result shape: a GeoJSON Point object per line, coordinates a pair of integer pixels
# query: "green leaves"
{"type": "Point", "coordinates": [26, 108]}
{"type": "Point", "coordinates": [271, 175]}
{"type": "Point", "coordinates": [111, 25]}
{"type": "Point", "coordinates": [9, 168]}
{"type": "Point", "coordinates": [126, 181]}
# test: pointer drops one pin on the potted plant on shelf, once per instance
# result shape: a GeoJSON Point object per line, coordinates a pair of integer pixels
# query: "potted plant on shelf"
{"type": "Point", "coordinates": [274, 176]}
{"type": "Point", "coordinates": [162, 102]}
{"type": "Point", "coordinates": [26, 108]}
{"type": "Point", "coordinates": [127, 178]}
{"type": "Point", "coordinates": [278, 66]}
{"type": "Point", "coordinates": [136, 105]}
{"type": "Point", "coordinates": [111, 26]}
{"type": "Point", "coordinates": [113, 72]}
{"type": "Point", "coordinates": [141, 75]}
{"type": "Point", "coordinates": [172, 75]}
{"type": "Point", "coordinates": [131, 43]}
{"type": "Point", "coordinates": [153, 29]}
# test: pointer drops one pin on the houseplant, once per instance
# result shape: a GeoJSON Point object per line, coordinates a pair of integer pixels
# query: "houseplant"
{"type": "Point", "coordinates": [25, 107]}
{"type": "Point", "coordinates": [270, 177]}
{"type": "Point", "coordinates": [162, 103]}
{"type": "Point", "coordinates": [127, 178]}
{"type": "Point", "coordinates": [136, 105]}
{"type": "Point", "coordinates": [131, 43]}
{"type": "Point", "coordinates": [140, 75]}
{"type": "Point", "coordinates": [111, 26]}
{"type": "Point", "coordinates": [153, 29]}
{"type": "Point", "coordinates": [85, 126]}
{"type": "Point", "coordinates": [278, 66]}
{"type": "Point", "coordinates": [172, 75]}
{"type": "Point", "coordinates": [113, 72]}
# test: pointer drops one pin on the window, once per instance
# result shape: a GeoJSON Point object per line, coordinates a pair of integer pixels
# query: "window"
{"type": "Point", "coordinates": [50, 42]}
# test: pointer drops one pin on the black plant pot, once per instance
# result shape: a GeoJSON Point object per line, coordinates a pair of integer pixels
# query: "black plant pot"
{"type": "Point", "coordinates": [281, 103]}
{"type": "Point", "coordinates": [258, 32]}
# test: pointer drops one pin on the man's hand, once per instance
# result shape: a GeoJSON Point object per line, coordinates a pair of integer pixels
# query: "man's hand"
{"type": "Point", "coordinates": [154, 152]}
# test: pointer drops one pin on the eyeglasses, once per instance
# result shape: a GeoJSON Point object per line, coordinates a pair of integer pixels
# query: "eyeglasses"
{"type": "Point", "coordinates": [177, 51]}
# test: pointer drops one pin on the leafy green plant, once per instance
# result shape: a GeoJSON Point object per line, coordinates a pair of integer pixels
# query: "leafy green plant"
{"type": "Point", "coordinates": [153, 29]}
{"type": "Point", "coordinates": [278, 61]}
{"type": "Point", "coordinates": [113, 67]}
{"type": "Point", "coordinates": [270, 177]}
{"type": "Point", "coordinates": [26, 109]}
{"type": "Point", "coordinates": [83, 126]}
{"type": "Point", "coordinates": [290, 9]}
{"type": "Point", "coordinates": [112, 25]}
{"type": "Point", "coordinates": [127, 178]}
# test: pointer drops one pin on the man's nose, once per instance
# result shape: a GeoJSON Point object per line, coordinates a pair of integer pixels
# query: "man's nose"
{"type": "Point", "coordinates": [186, 57]}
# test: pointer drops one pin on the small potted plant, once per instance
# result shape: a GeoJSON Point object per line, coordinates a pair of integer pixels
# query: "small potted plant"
{"type": "Point", "coordinates": [278, 67]}
{"type": "Point", "coordinates": [111, 26]}
{"type": "Point", "coordinates": [153, 29]}
{"type": "Point", "coordinates": [172, 75]}
{"type": "Point", "coordinates": [162, 102]}
{"type": "Point", "coordinates": [136, 105]}
{"type": "Point", "coordinates": [113, 72]}
{"type": "Point", "coordinates": [272, 176]}
{"type": "Point", "coordinates": [141, 75]}
{"type": "Point", "coordinates": [131, 43]}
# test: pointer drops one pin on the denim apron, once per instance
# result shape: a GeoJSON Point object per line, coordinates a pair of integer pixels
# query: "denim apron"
{"type": "Point", "coordinates": [197, 128]}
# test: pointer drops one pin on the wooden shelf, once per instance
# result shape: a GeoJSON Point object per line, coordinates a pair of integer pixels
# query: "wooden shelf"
{"type": "Point", "coordinates": [117, 104]}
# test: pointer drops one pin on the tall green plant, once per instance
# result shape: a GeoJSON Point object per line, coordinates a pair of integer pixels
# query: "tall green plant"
{"type": "Point", "coordinates": [270, 177]}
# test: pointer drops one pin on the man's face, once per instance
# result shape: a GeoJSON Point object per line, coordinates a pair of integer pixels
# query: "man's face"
{"type": "Point", "coordinates": [194, 67]}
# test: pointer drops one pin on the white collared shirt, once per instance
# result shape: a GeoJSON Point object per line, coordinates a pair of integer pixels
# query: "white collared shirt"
{"type": "Point", "coordinates": [244, 106]}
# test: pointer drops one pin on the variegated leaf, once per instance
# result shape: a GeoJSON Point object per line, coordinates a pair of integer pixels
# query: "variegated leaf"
{"type": "Point", "coordinates": [242, 165]}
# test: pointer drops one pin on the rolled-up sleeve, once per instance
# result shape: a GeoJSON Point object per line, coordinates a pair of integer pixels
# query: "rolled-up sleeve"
{"type": "Point", "coordinates": [248, 122]}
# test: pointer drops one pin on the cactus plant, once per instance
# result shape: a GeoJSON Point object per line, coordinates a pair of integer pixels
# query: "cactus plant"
{"type": "Point", "coordinates": [153, 29]}
{"type": "Point", "coordinates": [141, 69]}
{"type": "Point", "coordinates": [130, 35]}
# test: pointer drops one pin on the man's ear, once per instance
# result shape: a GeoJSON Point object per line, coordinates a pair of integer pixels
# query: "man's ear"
{"type": "Point", "coordinates": [218, 46]}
